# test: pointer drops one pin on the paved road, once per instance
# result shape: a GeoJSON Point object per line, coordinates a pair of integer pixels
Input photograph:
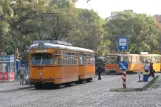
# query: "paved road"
{"type": "Point", "coordinates": [93, 94]}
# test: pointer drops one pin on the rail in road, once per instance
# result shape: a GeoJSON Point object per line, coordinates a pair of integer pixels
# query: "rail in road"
{"type": "Point", "coordinates": [112, 79]}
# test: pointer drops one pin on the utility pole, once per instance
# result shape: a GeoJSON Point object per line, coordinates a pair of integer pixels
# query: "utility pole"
{"type": "Point", "coordinates": [2, 49]}
{"type": "Point", "coordinates": [3, 65]}
{"type": "Point", "coordinates": [15, 57]}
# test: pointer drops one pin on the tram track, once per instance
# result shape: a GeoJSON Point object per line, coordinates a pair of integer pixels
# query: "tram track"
{"type": "Point", "coordinates": [74, 93]}
{"type": "Point", "coordinates": [95, 92]}
{"type": "Point", "coordinates": [26, 88]}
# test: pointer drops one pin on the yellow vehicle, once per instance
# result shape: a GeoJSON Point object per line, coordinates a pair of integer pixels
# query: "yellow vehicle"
{"type": "Point", "coordinates": [58, 62]}
{"type": "Point", "coordinates": [136, 62]}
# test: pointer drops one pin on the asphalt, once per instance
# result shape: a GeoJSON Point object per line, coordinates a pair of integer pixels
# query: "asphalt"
{"type": "Point", "coordinates": [134, 85]}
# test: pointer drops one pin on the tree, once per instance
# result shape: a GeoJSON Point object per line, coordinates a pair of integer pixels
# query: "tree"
{"type": "Point", "coordinates": [6, 14]}
{"type": "Point", "coordinates": [23, 22]}
{"type": "Point", "coordinates": [27, 20]}
{"type": "Point", "coordinates": [139, 28]}
{"type": "Point", "coordinates": [90, 32]}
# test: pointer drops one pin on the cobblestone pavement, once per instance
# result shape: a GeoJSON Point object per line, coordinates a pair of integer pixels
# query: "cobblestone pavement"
{"type": "Point", "coordinates": [93, 94]}
{"type": "Point", "coordinates": [11, 85]}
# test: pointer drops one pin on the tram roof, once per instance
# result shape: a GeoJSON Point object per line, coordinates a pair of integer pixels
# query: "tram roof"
{"type": "Point", "coordinates": [59, 46]}
{"type": "Point", "coordinates": [134, 55]}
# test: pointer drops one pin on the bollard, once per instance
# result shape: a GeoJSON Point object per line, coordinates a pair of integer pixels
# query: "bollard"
{"type": "Point", "coordinates": [139, 75]}
{"type": "Point", "coordinates": [124, 79]}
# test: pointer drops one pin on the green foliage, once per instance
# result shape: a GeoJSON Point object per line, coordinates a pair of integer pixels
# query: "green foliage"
{"type": "Point", "coordinates": [90, 33]}
{"type": "Point", "coordinates": [27, 20]}
{"type": "Point", "coordinates": [139, 28]}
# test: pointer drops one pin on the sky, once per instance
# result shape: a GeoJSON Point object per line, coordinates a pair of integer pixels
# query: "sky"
{"type": "Point", "coordinates": [104, 7]}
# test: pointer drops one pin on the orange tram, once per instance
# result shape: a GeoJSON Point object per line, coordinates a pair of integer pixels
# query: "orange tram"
{"type": "Point", "coordinates": [136, 62]}
{"type": "Point", "coordinates": [57, 62]}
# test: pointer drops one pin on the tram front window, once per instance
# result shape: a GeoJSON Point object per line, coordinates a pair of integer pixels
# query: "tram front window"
{"type": "Point", "coordinates": [41, 59]}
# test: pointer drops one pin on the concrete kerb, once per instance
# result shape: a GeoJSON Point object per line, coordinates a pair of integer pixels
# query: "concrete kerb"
{"type": "Point", "coordinates": [135, 89]}
{"type": "Point", "coordinates": [150, 83]}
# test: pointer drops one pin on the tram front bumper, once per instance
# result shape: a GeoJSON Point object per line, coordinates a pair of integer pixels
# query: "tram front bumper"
{"type": "Point", "coordinates": [34, 81]}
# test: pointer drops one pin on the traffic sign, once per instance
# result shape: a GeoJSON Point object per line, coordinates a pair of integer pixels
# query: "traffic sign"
{"type": "Point", "coordinates": [122, 43]}
{"type": "Point", "coordinates": [123, 65]}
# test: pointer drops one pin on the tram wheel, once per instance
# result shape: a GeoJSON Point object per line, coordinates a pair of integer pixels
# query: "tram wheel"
{"type": "Point", "coordinates": [89, 80]}
{"type": "Point", "coordinates": [70, 84]}
{"type": "Point", "coordinates": [58, 86]}
{"type": "Point", "coordinates": [83, 81]}
{"type": "Point", "coordinates": [38, 86]}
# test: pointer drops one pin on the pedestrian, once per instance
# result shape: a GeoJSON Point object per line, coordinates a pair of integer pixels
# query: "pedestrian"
{"type": "Point", "coordinates": [139, 74]}
{"type": "Point", "coordinates": [99, 70]}
{"type": "Point", "coordinates": [151, 70]}
{"type": "Point", "coordinates": [22, 74]}
{"type": "Point", "coordinates": [146, 67]}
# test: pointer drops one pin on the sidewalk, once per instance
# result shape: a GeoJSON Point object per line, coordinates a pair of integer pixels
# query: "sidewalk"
{"type": "Point", "coordinates": [138, 85]}
{"type": "Point", "coordinates": [12, 86]}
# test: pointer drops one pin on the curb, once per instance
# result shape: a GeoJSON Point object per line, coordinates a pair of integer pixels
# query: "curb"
{"type": "Point", "coordinates": [17, 89]}
{"type": "Point", "coordinates": [135, 89]}
{"type": "Point", "coordinates": [9, 81]}
{"type": "Point", "coordinates": [126, 89]}
{"type": "Point", "coordinates": [150, 83]}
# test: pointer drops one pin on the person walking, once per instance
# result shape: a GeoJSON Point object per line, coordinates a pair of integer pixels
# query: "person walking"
{"type": "Point", "coordinates": [22, 74]}
{"type": "Point", "coordinates": [151, 70]}
{"type": "Point", "coordinates": [99, 70]}
{"type": "Point", "coordinates": [146, 67]}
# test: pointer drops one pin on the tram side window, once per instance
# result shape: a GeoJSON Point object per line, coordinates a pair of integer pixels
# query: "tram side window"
{"type": "Point", "coordinates": [69, 58]}
{"type": "Point", "coordinates": [141, 59]}
{"type": "Point", "coordinates": [63, 59]}
{"type": "Point", "coordinates": [92, 61]}
{"type": "Point", "coordinates": [112, 59]}
{"type": "Point", "coordinates": [144, 59]}
{"type": "Point", "coordinates": [72, 60]}
{"type": "Point", "coordinates": [125, 58]}
{"type": "Point", "coordinates": [118, 59]}
{"type": "Point", "coordinates": [134, 59]}
{"type": "Point", "coordinates": [56, 62]}
{"type": "Point", "coordinates": [76, 59]}
{"type": "Point", "coordinates": [81, 60]}
{"type": "Point", "coordinates": [89, 61]}
{"type": "Point", "coordinates": [86, 60]}
{"type": "Point", "coordinates": [158, 59]}
{"type": "Point", "coordinates": [153, 59]}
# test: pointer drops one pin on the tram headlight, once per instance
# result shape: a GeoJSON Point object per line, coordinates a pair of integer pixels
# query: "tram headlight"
{"type": "Point", "coordinates": [40, 73]}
